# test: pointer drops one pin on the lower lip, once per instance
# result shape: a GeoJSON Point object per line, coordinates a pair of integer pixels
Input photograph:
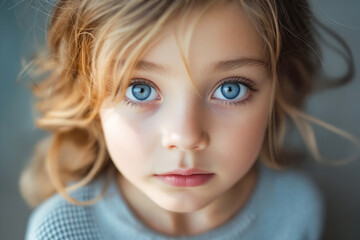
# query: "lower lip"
{"type": "Point", "coordinates": [185, 180]}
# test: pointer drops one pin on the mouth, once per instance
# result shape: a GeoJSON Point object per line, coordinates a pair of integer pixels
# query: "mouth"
{"type": "Point", "coordinates": [185, 177]}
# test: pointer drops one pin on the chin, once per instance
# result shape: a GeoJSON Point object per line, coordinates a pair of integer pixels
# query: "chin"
{"type": "Point", "coordinates": [180, 204]}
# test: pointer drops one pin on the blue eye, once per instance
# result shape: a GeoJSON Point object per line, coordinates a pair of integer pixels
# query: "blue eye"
{"type": "Point", "coordinates": [231, 91]}
{"type": "Point", "coordinates": [141, 92]}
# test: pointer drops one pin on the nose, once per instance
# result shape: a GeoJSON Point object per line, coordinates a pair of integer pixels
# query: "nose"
{"type": "Point", "coordinates": [184, 128]}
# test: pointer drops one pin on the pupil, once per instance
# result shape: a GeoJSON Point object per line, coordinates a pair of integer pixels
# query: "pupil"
{"type": "Point", "coordinates": [230, 90]}
{"type": "Point", "coordinates": [141, 91]}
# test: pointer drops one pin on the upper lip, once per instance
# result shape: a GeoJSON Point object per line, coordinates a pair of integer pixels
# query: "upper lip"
{"type": "Point", "coordinates": [185, 172]}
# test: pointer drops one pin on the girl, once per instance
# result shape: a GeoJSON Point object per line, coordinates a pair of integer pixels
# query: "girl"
{"type": "Point", "coordinates": [167, 119]}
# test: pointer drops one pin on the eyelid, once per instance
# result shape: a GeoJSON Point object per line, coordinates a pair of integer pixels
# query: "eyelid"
{"type": "Point", "coordinates": [236, 79]}
{"type": "Point", "coordinates": [249, 84]}
{"type": "Point", "coordinates": [135, 81]}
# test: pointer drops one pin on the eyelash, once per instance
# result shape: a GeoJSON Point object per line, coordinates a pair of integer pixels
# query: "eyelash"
{"type": "Point", "coordinates": [244, 81]}
{"type": "Point", "coordinates": [241, 80]}
{"type": "Point", "coordinates": [134, 82]}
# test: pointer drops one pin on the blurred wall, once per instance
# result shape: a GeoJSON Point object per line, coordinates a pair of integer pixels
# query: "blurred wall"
{"type": "Point", "coordinates": [22, 25]}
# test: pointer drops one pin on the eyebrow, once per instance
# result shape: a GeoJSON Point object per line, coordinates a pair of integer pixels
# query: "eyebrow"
{"type": "Point", "coordinates": [149, 66]}
{"type": "Point", "coordinates": [226, 65]}
{"type": "Point", "coordinates": [237, 63]}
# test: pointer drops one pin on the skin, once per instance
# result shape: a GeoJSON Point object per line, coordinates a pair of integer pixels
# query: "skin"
{"type": "Point", "coordinates": [182, 129]}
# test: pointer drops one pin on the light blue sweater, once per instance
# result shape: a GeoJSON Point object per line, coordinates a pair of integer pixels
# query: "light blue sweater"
{"type": "Point", "coordinates": [284, 206]}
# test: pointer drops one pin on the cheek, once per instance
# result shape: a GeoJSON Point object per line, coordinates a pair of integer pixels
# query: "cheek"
{"type": "Point", "coordinates": [241, 140]}
{"type": "Point", "coordinates": [125, 141]}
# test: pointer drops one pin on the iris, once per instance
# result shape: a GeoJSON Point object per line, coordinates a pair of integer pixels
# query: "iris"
{"type": "Point", "coordinates": [141, 91]}
{"type": "Point", "coordinates": [230, 90]}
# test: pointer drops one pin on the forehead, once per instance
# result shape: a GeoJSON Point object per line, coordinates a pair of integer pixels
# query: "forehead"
{"type": "Point", "coordinates": [222, 33]}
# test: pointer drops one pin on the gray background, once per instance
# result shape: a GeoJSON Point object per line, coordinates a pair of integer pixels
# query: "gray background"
{"type": "Point", "coordinates": [20, 22]}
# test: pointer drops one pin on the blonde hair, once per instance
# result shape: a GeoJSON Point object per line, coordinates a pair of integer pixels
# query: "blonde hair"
{"type": "Point", "coordinates": [93, 46]}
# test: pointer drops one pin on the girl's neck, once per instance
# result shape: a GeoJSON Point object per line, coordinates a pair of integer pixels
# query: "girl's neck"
{"type": "Point", "coordinates": [187, 224]}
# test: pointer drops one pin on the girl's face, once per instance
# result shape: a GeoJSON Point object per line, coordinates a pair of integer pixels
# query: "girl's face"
{"type": "Point", "coordinates": [183, 149]}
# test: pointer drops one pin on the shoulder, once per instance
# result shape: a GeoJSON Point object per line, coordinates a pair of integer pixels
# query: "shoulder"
{"type": "Point", "coordinates": [296, 200]}
{"type": "Point", "coordinates": [56, 218]}
{"type": "Point", "coordinates": [296, 189]}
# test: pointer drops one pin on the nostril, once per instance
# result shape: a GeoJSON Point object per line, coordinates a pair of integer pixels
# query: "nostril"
{"type": "Point", "coordinates": [185, 142]}
{"type": "Point", "coordinates": [173, 147]}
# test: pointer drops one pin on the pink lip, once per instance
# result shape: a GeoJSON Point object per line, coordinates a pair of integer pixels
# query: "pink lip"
{"type": "Point", "coordinates": [185, 177]}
